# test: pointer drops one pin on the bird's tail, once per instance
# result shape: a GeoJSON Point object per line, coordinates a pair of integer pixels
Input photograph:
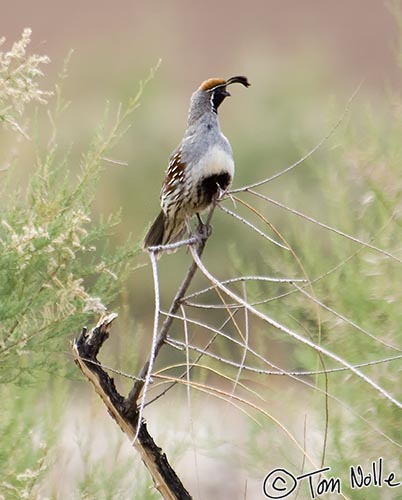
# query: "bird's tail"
{"type": "Point", "coordinates": [164, 231]}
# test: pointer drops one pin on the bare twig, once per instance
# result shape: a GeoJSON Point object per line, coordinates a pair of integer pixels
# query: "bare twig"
{"type": "Point", "coordinates": [174, 246]}
{"type": "Point", "coordinates": [325, 226]}
{"type": "Point", "coordinates": [246, 338]}
{"type": "Point", "coordinates": [293, 334]}
{"type": "Point", "coordinates": [154, 339]}
{"type": "Point", "coordinates": [346, 320]}
{"type": "Point", "coordinates": [115, 162]}
{"type": "Point", "coordinates": [205, 352]}
{"type": "Point", "coordinates": [188, 369]}
{"type": "Point", "coordinates": [306, 156]}
{"type": "Point", "coordinates": [331, 396]}
{"type": "Point", "coordinates": [254, 228]}
{"type": "Point", "coordinates": [132, 398]}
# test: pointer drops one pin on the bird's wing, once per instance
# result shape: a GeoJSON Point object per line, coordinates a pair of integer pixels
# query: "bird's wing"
{"type": "Point", "coordinates": [174, 180]}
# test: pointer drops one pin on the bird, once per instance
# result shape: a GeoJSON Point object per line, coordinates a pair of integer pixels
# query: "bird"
{"type": "Point", "coordinates": [199, 169]}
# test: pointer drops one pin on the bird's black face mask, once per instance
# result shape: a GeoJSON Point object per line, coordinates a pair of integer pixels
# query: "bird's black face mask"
{"type": "Point", "coordinates": [217, 97]}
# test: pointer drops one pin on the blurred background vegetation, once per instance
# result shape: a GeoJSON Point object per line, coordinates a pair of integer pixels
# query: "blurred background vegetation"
{"type": "Point", "coordinates": [304, 61]}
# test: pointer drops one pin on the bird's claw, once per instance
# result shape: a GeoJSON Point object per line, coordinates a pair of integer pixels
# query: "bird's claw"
{"type": "Point", "coordinates": [204, 231]}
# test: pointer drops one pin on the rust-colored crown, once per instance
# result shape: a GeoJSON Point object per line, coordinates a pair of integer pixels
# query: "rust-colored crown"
{"type": "Point", "coordinates": [211, 83]}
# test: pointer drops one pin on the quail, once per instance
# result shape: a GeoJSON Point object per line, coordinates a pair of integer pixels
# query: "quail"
{"type": "Point", "coordinates": [199, 169]}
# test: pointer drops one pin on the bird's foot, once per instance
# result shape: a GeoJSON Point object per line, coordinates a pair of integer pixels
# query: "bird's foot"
{"type": "Point", "coordinates": [204, 231]}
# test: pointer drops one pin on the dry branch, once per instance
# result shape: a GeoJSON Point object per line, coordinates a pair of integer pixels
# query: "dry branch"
{"type": "Point", "coordinates": [85, 349]}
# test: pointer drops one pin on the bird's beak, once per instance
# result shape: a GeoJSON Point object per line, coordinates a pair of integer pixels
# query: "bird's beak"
{"type": "Point", "coordinates": [226, 93]}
